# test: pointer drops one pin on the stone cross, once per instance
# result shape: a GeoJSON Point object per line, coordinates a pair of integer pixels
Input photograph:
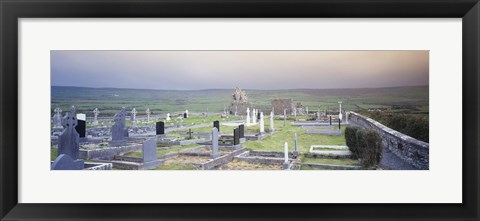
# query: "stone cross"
{"type": "Point", "coordinates": [119, 132]}
{"type": "Point", "coordinates": [272, 128]}
{"type": "Point", "coordinates": [133, 117]}
{"type": "Point", "coordinates": [95, 116]}
{"type": "Point", "coordinates": [284, 117]}
{"type": "Point", "coordinates": [69, 140]}
{"type": "Point", "coordinates": [148, 112]}
{"type": "Point", "coordinates": [214, 143]}
{"type": "Point", "coordinates": [73, 109]}
{"type": "Point", "coordinates": [262, 123]}
{"type": "Point", "coordinates": [248, 116]}
{"type": "Point", "coordinates": [57, 118]}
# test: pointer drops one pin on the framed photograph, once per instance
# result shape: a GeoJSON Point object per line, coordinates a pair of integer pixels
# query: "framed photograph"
{"type": "Point", "coordinates": [239, 110]}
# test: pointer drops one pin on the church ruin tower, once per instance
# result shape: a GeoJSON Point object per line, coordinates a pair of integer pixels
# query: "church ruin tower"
{"type": "Point", "coordinates": [239, 102]}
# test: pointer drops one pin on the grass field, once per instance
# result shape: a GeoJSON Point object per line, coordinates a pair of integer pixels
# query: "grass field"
{"type": "Point", "coordinates": [109, 100]}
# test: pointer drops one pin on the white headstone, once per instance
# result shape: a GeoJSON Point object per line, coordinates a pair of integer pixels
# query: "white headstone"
{"type": "Point", "coordinates": [340, 111]}
{"type": "Point", "coordinates": [346, 117]}
{"type": "Point", "coordinates": [262, 124]}
{"type": "Point", "coordinates": [284, 117]}
{"type": "Point", "coordinates": [286, 152]}
{"type": "Point", "coordinates": [148, 112]}
{"type": "Point", "coordinates": [168, 117]}
{"type": "Point", "coordinates": [254, 116]}
{"type": "Point", "coordinates": [248, 115]}
{"type": "Point", "coordinates": [57, 118]}
{"type": "Point", "coordinates": [133, 117]}
{"type": "Point", "coordinates": [272, 127]}
{"type": "Point", "coordinates": [307, 109]}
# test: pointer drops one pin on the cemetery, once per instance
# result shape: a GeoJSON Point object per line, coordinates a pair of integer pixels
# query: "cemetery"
{"type": "Point", "coordinates": [286, 135]}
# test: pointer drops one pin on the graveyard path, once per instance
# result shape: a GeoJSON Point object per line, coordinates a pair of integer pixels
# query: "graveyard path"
{"type": "Point", "coordinates": [390, 161]}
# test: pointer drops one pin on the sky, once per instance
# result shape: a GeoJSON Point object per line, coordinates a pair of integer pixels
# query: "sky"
{"type": "Point", "coordinates": [263, 70]}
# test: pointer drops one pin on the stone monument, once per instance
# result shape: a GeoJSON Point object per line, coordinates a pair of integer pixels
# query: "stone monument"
{"type": "Point", "coordinates": [214, 143]}
{"type": "Point", "coordinates": [119, 132]}
{"type": "Point", "coordinates": [57, 118]}
{"type": "Point", "coordinates": [133, 117]}
{"type": "Point", "coordinates": [95, 116]}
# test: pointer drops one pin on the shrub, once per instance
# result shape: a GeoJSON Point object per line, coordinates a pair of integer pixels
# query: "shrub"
{"type": "Point", "coordinates": [369, 144]}
{"type": "Point", "coordinates": [351, 139]}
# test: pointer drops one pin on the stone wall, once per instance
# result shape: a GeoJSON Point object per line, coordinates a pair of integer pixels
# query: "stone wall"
{"type": "Point", "coordinates": [413, 151]}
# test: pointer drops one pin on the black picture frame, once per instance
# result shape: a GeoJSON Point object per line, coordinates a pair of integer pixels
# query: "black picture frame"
{"type": "Point", "coordinates": [12, 10]}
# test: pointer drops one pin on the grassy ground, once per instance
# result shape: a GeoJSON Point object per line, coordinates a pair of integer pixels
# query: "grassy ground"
{"type": "Point", "coordinates": [162, 151]}
{"type": "Point", "coordinates": [331, 161]}
{"type": "Point", "coordinates": [283, 134]}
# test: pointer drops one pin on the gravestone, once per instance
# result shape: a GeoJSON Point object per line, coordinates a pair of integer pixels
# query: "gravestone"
{"type": "Point", "coordinates": [340, 111]}
{"type": "Point", "coordinates": [73, 109]}
{"type": "Point", "coordinates": [81, 125]}
{"type": "Point", "coordinates": [241, 131]}
{"type": "Point", "coordinates": [216, 124]}
{"type": "Point", "coordinates": [236, 136]}
{"type": "Point", "coordinates": [95, 116]}
{"type": "Point", "coordinates": [148, 112]}
{"type": "Point", "coordinates": [133, 117]}
{"type": "Point", "coordinates": [248, 115]}
{"type": "Point", "coordinates": [149, 150]}
{"type": "Point", "coordinates": [185, 115]}
{"type": "Point", "coordinates": [284, 117]}
{"type": "Point", "coordinates": [339, 127]}
{"type": "Point", "coordinates": [160, 128]}
{"type": "Point", "coordinates": [65, 162]}
{"type": "Point", "coordinates": [294, 112]}
{"type": "Point", "coordinates": [258, 115]}
{"type": "Point", "coordinates": [346, 117]}
{"type": "Point", "coordinates": [168, 117]}
{"type": "Point", "coordinates": [119, 132]}
{"type": "Point", "coordinates": [69, 140]}
{"type": "Point", "coordinates": [295, 152]}
{"type": "Point", "coordinates": [262, 123]}
{"type": "Point", "coordinates": [330, 120]}
{"type": "Point", "coordinates": [272, 127]}
{"type": "Point", "coordinates": [57, 118]}
{"type": "Point", "coordinates": [254, 118]}
{"type": "Point", "coordinates": [214, 143]}
{"type": "Point", "coordinates": [306, 109]}
{"type": "Point", "coordinates": [318, 115]}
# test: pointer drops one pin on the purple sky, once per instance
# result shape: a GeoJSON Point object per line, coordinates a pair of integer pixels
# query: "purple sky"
{"type": "Point", "coordinates": [192, 70]}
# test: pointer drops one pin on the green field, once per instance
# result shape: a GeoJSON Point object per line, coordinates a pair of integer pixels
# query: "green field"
{"type": "Point", "coordinates": [109, 100]}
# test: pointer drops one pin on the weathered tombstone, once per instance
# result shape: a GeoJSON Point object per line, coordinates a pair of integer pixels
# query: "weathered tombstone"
{"type": "Point", "coordinates": [248, 115]}
{"type": "Point", "coordinates": [330, 120]}
{"type": "Point", "coordinates": [236, 136]}
{"type": "Point", "coordinates": [149, 150]}
{"type": "Point", "coordinates": [318, 115]}
{"type": "Point", "coordinates": [69, 140]}
{"type": "Point", "coordinates": [295, 152]}
{"type": "Point", "coordinates": [340, 111]}
{"type": "Point", "coordinates": [81, 125]}
{"type": "Point", "coordinates": [216, 124]}
{"type": "Point", "coordinates": [285, 163]}
{"type": "Point", "coordinates": [73, 109]}
{"type": "Point", "coordinates": [346, 117]}
{"type": "Point", "coordinates": [262, 123]}
{"type": "Point", "coordinates": [160, 128]}
{"type": "Point", "coordinates": [65, 162]}
{"type": "Point", "coordinates": [148, 112]}
{"type": "Point", "coordinates": [214, 143]}
{"type": "Point", "coordinates": [284, 117]}
{"type": "Point", "coordinates": [339, 126]}
{"type": "Point", "coordinates": [119, 132]}
{"type": "Point", "coordinates": [185, 115]}
{"type": "Point", "coordinates": [272, 127]}
{"type": "Point", "coordinates": [95, 116]}
{"type": "Point", "coordinates": [241, 131]}
{"type": "Point", "coordinates": [133, 117]}
{"type": "Point", "coordinates": [306, 110]}
{"type": "Point", "coordinates": [254, 118]}
{"type": "Point", "coordinates": [258, 115]}
{"type": "Point", "coordinates": [168, 117]}
{"type": "Point", "coordinates": [57, 118]}
{"type": "Point", "coordinates": [189, 133]}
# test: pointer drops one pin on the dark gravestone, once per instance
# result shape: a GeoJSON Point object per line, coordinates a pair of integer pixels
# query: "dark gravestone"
{"type": "Point", "coordinates": [216, 124]}
{"type": "Point", "coordinates": [69, 140]}
{"type": "Point", "coordinates": [330, 120]}
{"type": "Point", "coordinates": [184, 115]}
{"type": "Point", "coordinates": [149, 150]}
{"type": "Point", "coordinates": [236, 136]}
{"type": "Point", "coordinates": [65, 162]}
{"type": "Point", "coordinates": [119, 132]}
{"type": "Point", "coordinates": [160, 127]}
{"type": "Point", "coordinates": [339, 127]}
{"type": "Point", "coordinates": [81, 128]}
{"type": "Point", "coordinates": [258, 115]}
{"type": "Point", "coordinates": [241, 128]}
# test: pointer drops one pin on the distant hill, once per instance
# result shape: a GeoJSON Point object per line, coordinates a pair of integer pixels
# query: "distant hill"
{"type": "Point", "coordinates": [109, 100]}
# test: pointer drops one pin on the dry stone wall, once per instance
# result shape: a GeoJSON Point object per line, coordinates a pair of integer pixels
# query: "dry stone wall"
{"type": "Point", "coordinates": [413, 151]}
